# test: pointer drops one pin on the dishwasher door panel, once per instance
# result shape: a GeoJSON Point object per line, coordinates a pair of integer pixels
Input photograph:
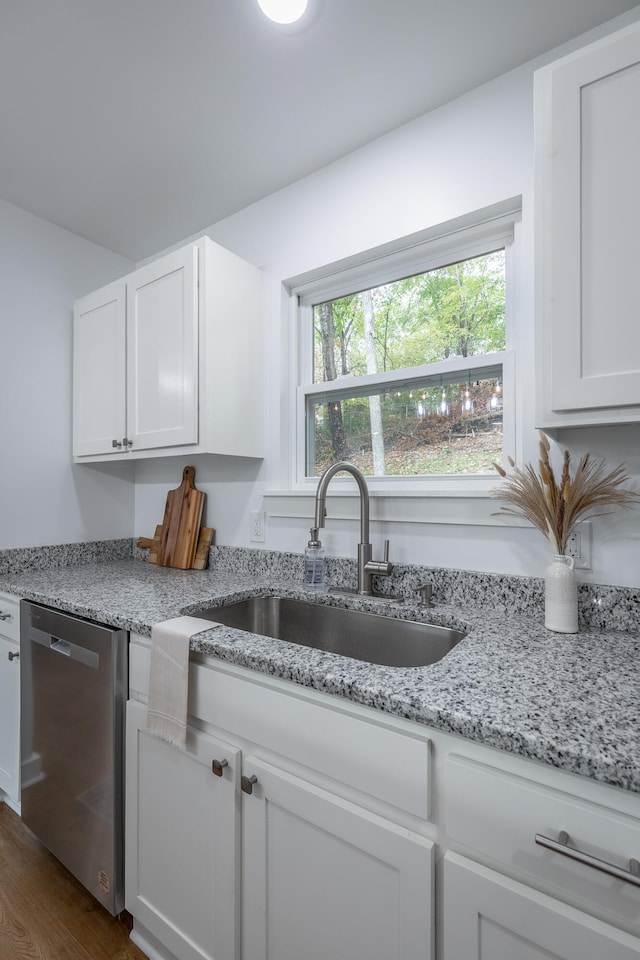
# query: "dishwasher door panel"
{"type": "Point", "coordinates": [73, 695]}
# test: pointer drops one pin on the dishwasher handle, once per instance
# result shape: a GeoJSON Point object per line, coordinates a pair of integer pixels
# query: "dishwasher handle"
{"type": "Point", "coordinates": [60, 646]}
{"type": "Point", "coordinates": [89, 658]}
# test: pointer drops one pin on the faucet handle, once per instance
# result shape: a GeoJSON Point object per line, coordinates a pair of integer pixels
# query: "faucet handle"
{"type": "Point", "coordinates": [426, 594]}
{"type": "Point", "coordinates": [380, 568]}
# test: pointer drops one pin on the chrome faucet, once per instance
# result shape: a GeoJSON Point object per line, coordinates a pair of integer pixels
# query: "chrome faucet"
{"type": "Point", "coordinates": [366, 566]}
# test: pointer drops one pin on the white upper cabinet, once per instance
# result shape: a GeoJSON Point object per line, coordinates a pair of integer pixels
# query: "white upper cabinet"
{"type": "Point", "coordinates": [99, 368]}
{"type": "Point", "coordinates": [162, 369]}
{"type": "Point", "coordinates": [168, 360]}
{"type": "Point", "coordinates": [587, 127]}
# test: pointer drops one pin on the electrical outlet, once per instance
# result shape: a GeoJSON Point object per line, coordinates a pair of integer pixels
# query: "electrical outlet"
{"type": "Point", "coordinates": [579, 546]}
{"type": "Point", "coordinates": [256, 526]}
{"type": "Point", "coordinates": [574, 545]}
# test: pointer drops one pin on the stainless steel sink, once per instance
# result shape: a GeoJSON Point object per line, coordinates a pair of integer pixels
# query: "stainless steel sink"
{"type": "Point", "coordinates": [350, 633]}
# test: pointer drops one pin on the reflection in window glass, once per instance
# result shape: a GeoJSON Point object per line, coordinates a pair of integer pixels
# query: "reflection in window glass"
{"type": "Point", "coordinates": [452, 427]}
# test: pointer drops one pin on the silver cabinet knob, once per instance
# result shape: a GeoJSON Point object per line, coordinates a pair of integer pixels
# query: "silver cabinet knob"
{"type": "Point", "coordinates": [13, 656]}
{"type": "Point", "coordinates": [5, 616]}
{"type": "Point", "coordinates": [126, 442]}
{"type": "Point", "coordinates": [217, 766]}
{"type": "Point", "coordinates": [247, 783]}
{"type": "Point", "coordinates": [116, 443]}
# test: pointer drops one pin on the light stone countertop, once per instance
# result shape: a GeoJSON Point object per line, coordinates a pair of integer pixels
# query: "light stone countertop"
{"type": "Point", "coordinates": [569, 700]}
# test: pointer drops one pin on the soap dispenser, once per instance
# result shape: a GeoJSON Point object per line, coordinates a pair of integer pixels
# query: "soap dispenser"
{"type": "Point", "coordinates": [314, 562]}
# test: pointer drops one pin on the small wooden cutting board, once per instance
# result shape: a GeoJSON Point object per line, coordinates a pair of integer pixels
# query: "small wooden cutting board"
{"type": "Point", "coordinates": [206, 538]}
{"type": "Point", "coordinates": [181, 524]}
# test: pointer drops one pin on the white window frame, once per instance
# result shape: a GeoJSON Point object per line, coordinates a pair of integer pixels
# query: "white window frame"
{"type": "Point", "coordinates": [481, 233]}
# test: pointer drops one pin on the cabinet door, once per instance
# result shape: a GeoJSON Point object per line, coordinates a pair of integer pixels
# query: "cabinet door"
{"type": "Point", "coordinates": [182, 841]}
{"type": "Point", "coordinates": [487, 916]}
{"type": "Point", "coordinates": [324, 878]}
{"type": "Point", "coordinates": [162, 348]}
{"type": "Point", "coordinates": [10, 719]}
{"type": "Point", "coordinates": [99, 371]}
{"type": "Point", "coordinates": [588, 134]}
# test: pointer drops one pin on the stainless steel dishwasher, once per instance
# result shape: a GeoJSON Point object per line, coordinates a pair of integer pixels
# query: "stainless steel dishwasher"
{"type": "Point", "coordinates": [73, 694]}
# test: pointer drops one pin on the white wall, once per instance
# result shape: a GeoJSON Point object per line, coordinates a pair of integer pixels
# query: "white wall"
{"type": "Point", "coordinates": [44, 498]}
{"type": "Point", "coordinates": [467, 155]}
{"type": "Point", "coordinates": [473, 152]}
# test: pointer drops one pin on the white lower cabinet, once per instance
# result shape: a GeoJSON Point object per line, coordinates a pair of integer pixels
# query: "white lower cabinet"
{"type": "Point", "coordinates": [10, 699]}
{"type": "Point", "coordinates": [183, 841]}
{"type": "Point", "coordinates": [324, 878]}
{"type": "Point", "coordinates": [488, 916]}
{"type": "Point", "coordinates": [273, 859]}
{"type": "Point", "coordinates": [507, 895]}
{"type": "Point", "coordinates": [320, 839]}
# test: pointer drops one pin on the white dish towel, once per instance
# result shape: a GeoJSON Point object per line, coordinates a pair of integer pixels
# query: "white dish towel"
{"type": "Point", "coordinates": [169, 677]}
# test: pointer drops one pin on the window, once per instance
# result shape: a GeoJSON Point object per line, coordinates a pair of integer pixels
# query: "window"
{"type": "Point", "coordinates": [404, 368]}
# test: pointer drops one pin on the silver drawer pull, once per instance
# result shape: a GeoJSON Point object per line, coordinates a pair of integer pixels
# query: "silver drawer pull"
{"type": "Point", "coordinates": [4, 616]}
{"type": "Point", "coordinates": [561, 845]}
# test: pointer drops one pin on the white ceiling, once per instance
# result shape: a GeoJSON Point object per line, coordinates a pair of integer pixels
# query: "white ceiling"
{"type": "Point", "coordinates": [136, 123]}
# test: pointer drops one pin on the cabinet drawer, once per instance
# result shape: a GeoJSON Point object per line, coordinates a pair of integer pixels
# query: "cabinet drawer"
{"type": "Point", "coordinates": [498, 815]}
{"type": "Point", "coordinates": [10, 617]}
{"type": "Point", "coordinates": [326, 734]}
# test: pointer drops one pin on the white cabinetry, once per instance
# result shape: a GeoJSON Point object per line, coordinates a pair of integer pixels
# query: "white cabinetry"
{"type": "Point", "coordinates": [587, 213]}
{"type": "Point", "coordinates": [489, 915]}
{"type": "Point", "coordinates": [323, 877]}
{"type": "Point", "coordinates": [99, 371]}
{"type": "Point", "coordinates": [168, 360]}
{"type": "Point", "coordinates": [162, 352]}
{"type": "Point", "coordinates": [339, 813]}
{"type": "Point", "coordinates": [524, 900]}
{"type": "Point", "coordinates": [10, 699]}
{"type": "Point", "coordinates": [327, 870]}
{"type": "Point", "coordinates": [183, 841]}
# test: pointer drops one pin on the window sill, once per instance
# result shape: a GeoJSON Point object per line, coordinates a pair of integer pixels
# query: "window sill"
{"type": "Point", "coordinates": [468, 507]}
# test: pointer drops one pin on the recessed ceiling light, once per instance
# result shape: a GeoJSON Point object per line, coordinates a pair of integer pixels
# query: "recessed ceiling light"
{"type": "Point", "coordinates": [283, 11]}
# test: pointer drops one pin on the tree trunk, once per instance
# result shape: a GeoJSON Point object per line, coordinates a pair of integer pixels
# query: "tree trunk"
{"type": "Point", "coordinates": [324, 313]}
{"type": "Point", "coordinates": [375, 410]}
{"type": "Point", "coordinates": [464, 340]}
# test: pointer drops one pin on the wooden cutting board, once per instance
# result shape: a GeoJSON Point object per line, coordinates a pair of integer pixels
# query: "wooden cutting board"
{"type": "Point", "coordinates": [181, 524]}
{"type": "Point", "coordinates": [206, 538]}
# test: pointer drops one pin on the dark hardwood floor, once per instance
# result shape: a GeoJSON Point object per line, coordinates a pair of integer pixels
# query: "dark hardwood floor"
{"type": "Point", "coordinates": [45, 914]}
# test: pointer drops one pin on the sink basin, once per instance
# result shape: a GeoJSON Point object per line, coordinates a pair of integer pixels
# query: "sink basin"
{"type": "Point", "coordinates": [351, 633]}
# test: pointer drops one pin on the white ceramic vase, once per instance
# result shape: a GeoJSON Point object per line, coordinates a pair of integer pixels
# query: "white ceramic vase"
{"type": "Point", "coordinates": [561, 596]}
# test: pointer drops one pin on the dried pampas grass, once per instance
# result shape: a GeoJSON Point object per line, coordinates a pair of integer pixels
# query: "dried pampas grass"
{"type": "Point", "coordinates": [556, 506]}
